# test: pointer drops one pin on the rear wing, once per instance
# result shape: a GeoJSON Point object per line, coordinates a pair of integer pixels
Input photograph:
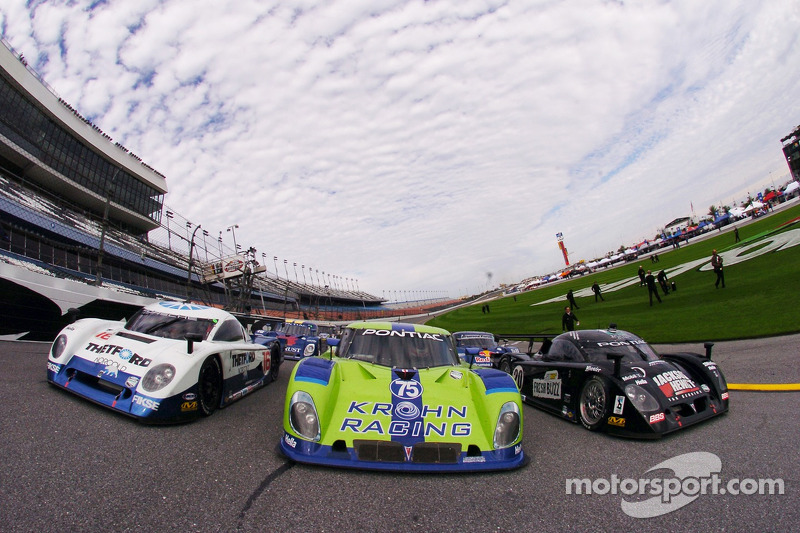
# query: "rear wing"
{"type": "Point", "coordinates": [546, 339]}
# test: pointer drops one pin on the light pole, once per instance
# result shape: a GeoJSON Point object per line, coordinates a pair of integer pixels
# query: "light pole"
{"type": "Point", "coordinates": [275, 260]}
{"type": "Point", "coordinates": [169, 233]}
{"type": "Point", "coordinates": [232, 229]}
{"type": "Point", "coordinates": [191, 259]}
{"type": "Point", "coordinates": [303, 270]}
{"type": "Point", "coordinates": [205, 246]}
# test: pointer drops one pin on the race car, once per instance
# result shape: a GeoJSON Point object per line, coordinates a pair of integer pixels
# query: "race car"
{"type": "Point", "coordinates": [613, 380]}
{"type": "Point", "coordinates": [170, 362]}
{"type": "Point", "coordinates": [394, 396]}
{"type": "Point", "coordinates": [488, 352]}
{"type": "Point", "coordinates": [297, 338]}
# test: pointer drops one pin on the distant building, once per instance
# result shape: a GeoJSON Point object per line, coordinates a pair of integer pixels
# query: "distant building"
{"type": "Point", "coordinates": [791, 150]}
{"type": "Point", "coordinates": [675, 225]}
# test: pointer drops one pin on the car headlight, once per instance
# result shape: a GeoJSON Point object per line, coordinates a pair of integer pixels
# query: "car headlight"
{"type": "Point", "coordinates": [309, 349]}
{"type": "Point", "coordinates": [57, 350]}
{"type": "Point", "coordinates": [303, 416]}
{"type": "Point", "coordinates": [641, 399]}
{"type": "Point", "coordinates": [158, 377]}
{"type": "Point", "coordinates": [508, 425]}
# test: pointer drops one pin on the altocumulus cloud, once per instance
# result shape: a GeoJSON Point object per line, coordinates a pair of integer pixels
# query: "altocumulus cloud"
{"type": "Point", "coordinates": [419, 145]}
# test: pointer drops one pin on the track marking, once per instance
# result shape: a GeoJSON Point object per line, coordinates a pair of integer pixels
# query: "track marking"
{"type": "Point", "coordinates": [765, 387]}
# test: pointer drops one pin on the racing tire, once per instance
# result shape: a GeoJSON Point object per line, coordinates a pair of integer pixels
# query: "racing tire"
{"type": "Point", "coordinates": [275, 363]}
{"type": "Point", "coordinates": [209, 386]}
{"type": "Point", "coordinates": [593, 403]}
{"type": "Point", "coordinates": [505, 364]}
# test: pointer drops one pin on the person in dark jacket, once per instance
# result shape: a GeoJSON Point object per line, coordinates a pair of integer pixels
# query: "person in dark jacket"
{"type": "Point", "coordinates": [596, 291]}
{"type": "Point", "coordinates": [662, 280]}
{"type": "Point", "coordinates": [571, 299]}
{"type": "Point", "coordinates": [650, 279]}
{"type": "Point", "coordinates": [569, 320]}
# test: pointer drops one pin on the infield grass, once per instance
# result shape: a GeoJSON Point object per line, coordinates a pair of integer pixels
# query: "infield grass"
{"type": "Point", "coordinates": [760, 299]}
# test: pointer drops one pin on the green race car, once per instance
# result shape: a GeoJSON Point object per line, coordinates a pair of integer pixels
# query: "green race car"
{"type": "Point", "coordinates": [392, 396]}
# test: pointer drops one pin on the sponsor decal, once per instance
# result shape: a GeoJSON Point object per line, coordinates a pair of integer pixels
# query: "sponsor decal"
{"type": "Point", "coordinates": [120, 351]}
{"type": "Point", "coordinates": [455, 374]}
{"type": "Point", "coordinates": [190, 396]}
{"type": "Point", "coordinates": [110, 371]}
{"type": "Point", "coordinates": [593, 368]}
{"type": "Point", "coordinates": [546, 388]}
{"type": "Point", "coordinates": [242, 359]}
{"type": "Point", "coordinates": [640, 373]}
{"type": "Point", "coordinates": [616, 421]}
{"type": "Point", "coordinates": [131, 382]}
{"type": "Point", "coordinates": [675, 383]}
{"type": "Point", "coordinates": [402, 333]}
{"type": "Point", "coordinates": [109, 363]}
{"type": "Point", "coordinates": [705, 388]}
{"type": "Point", "coordinates": [619, 405]}
{"type": "Point", "coordinates": [407, 421]}
{"type": "Point", "coordinates": [147, 403]}
{"type": "Point", "coordinates": [406, 390]}
{"type": "Point", "coordinates": [710, 365]}
{"type": "Point", "coordinates": [477, 459]}
{"type": "Point", "coordinates": [52, 367]}
{"type": "Point", "coordinates": [289, 440]}
{"type": "Point", "coordinates": [567, 412]}
{"type": "Point", "coordinates": [724, 396]}
{"type": "Point", "coordinates": [641, 382]}
{"type": "Point", "coordinates": [658, 417]}
{"type": "Point", "coordinates": [105, 335]}
{"type": "Point", "coordinates": [188, 406]}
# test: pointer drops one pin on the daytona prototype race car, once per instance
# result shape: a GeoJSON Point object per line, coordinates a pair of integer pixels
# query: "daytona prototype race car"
{"type": "Point", "coordinates": [613, 380]}
{"type": "Point", "coordinates": [170, 362]}
{"type": "Point", "coordinates": [488, 354]}
{"type": "Point", "coordinates": [298, 339]}
{"type": "Point", "coordinates": [393, 396]}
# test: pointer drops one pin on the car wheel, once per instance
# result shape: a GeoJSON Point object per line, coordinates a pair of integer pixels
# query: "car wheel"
{"type": "Point", "coordinates": [209, 384]}
{"type": "Point", "coordinates": [593, 406]}
{"type": "Point", "coordinates": [505, 365]}
{"type": "Point", "coordinates": [275, 364]}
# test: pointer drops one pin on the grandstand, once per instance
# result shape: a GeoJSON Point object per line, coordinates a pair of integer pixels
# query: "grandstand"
{"type": "Point", "coordinates": [84, 226]}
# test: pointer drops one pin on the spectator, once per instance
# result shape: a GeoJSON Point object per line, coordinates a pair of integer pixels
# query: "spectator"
{"type": "Point", "coordinates": [662, 280]}
{"type": "Point", "coordinates": [571, 299]}
{"type": "Point", "coordinates": [597, 293]}
{"type": "Point", "coordinates": [650, 279]}
{"type": "Point", "coordinates": [716, 263]}
{"type": "Point", "coordinates": [569, 320]}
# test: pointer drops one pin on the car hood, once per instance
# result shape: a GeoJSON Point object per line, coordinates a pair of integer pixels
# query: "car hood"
{"type": "Point", "coordinates": [132, 353]}
{"type": "Point", "coordinates": [664, 380]}
{"type": "Point", "coordinates": [368, 401]}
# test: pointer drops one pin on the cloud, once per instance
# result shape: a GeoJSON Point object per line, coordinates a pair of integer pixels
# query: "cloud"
{"type": "Point", "coordinates": [418, 145]}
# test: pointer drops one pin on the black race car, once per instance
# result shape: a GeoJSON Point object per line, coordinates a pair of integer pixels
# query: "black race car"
{"type": "Point", "coordinates": [613, 380]}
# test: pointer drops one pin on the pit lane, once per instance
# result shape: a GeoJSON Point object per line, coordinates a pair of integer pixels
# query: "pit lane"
{"type": "Point", "coordinates": [72, 466]}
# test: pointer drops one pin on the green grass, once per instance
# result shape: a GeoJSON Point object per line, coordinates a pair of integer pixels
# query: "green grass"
{"type": "Point", "coordinates": [761, 298]}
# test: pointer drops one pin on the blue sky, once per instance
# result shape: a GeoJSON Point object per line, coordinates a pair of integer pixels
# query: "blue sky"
{"type": "Point", "coordinates": [418, 146]}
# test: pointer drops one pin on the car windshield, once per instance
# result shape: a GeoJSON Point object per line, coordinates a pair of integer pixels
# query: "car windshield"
{"type": "Point", "coordinates": [298, 330]}
{"type": "Point", "coordinates": [169, 326]}
{"type": "Point", "coordinates": [398, 349]}
{"type": "Point", "coordinates": [475, 341]}
{"type": "Point", "coordinates": [632, 350]}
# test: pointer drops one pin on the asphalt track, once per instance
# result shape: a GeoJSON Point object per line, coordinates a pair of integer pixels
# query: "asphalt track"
{"type": "Point", "coordinates": [69, 465]}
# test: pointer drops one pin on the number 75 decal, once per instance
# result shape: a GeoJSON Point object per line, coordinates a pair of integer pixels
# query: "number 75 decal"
{"type": "Point", "coordinates": [406, 390]}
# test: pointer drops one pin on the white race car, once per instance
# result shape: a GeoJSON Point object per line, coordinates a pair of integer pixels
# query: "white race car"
{"type": "Point", "coordinates": [170, 362]}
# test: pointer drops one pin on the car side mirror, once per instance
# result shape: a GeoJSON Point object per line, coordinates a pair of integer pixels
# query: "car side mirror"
{"type": "Point", "coordinates": [192, 338]}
